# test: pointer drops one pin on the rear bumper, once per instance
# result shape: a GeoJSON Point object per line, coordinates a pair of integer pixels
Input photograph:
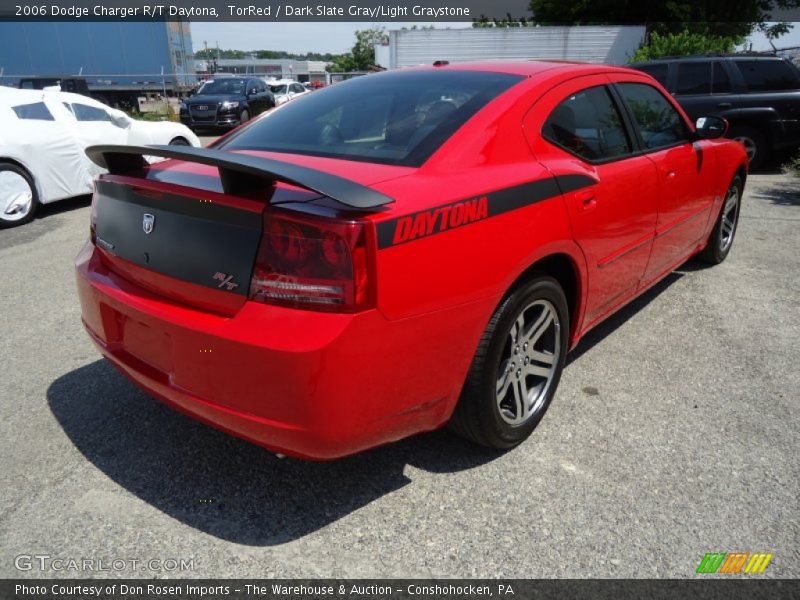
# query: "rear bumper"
{"type": "Point", "coordinates": [313, 385]}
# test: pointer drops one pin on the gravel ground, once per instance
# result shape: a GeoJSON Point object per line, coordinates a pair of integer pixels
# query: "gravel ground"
{"type": "Point", "coordinates": [674, 433]}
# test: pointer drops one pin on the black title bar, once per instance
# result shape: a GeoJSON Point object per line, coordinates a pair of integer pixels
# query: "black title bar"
{"type": "Point", "coordinates": [733, 588]}
{"type": "Point", "coordinates": [294, 10]}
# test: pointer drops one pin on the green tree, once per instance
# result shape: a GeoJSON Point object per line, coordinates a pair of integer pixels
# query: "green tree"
{"type": "Point", "coordinates": [683, 43]}
{"type": "Point", "coordinates": [707, 17]}
{"type": "Point", "coordinates": [362, 55]}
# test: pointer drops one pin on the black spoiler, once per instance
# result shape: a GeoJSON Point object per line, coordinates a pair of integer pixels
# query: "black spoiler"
{"type": "Point", "coordinates": [240, 173]}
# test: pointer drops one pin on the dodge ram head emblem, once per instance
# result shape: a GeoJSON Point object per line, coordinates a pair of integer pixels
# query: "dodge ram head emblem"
{"type": "Point", "coordinates": [148, 222]}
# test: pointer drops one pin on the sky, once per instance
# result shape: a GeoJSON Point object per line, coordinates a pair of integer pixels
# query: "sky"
{"type": "Point", "coordinates": [339, 37]}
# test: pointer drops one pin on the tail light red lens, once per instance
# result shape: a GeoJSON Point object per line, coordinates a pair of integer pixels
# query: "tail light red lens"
{"type": "Point", "coordinates": [312, 263]}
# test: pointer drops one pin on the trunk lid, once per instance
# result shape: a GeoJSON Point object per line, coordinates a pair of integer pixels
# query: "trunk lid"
{"type": "Point", "coordinates": [172, 230]}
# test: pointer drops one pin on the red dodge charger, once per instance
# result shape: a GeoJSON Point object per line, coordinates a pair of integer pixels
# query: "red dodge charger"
{"type": "Point", "coordinates": [400, 251]}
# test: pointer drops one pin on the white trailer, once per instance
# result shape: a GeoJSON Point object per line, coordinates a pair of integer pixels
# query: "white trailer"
{"type": "Point", "coordinates": [595, 44]}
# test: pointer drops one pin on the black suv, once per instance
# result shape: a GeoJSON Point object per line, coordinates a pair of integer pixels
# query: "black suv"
{"type": "Point", "coordinates": [226, 102]}
{"type": "Point", "coordinates": [758, 95]}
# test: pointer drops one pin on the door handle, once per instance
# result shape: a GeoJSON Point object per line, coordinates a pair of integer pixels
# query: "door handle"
{"type": "Point", "coordinates": [585, 200]}
{"type": "Point", "coordinates": [724, 105]}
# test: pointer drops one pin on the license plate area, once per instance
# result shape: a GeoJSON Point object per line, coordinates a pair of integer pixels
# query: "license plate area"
{"type": "Point", "coordinates": [188, 239]}
{"type": "Point", "coordinates": [149, 345]}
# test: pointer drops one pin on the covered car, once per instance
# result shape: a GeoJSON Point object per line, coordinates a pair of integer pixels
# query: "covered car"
{"type": "Point", "coordinates": [43, 135]}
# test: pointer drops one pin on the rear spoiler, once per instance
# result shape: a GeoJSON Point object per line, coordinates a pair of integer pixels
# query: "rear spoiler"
{"type": "Point", "coordinates": [240, 173]}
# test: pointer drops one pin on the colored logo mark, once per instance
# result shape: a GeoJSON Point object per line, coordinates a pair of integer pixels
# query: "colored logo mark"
{"type": "Point", "coordinates": [734, 562]}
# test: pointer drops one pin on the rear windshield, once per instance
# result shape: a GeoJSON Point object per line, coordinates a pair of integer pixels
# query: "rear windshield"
{"type": "Point", "coordinates": [223, 86]}
{"type": "Point", "coordinates": [397, 118]}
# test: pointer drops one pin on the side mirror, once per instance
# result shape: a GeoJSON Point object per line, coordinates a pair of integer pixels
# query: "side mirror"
{"type": "Point", "coordinates": [710, 128]}
{"type": "Point", "coordinates": [120, 119]}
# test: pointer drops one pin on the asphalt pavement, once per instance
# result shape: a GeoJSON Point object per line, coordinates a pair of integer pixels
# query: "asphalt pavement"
{"type": "Point", "coordinates": [675, 432]}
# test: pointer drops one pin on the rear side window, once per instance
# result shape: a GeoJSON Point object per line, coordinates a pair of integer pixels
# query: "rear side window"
{"type": "Point", "coordinates": [398, 118]}
{"type": "Point", "coordinates": [84, 112]}
{"type": "Point", "coordinates": [768, 75]}
{"type": "Point", "coordinates": [588, 124]}
{"type": "Point", "coordinates": [36, 111]}
{"type": "Point", "coordinates": [720, 82]}
{"type": "Point", "coordinates": [658, 122]}
{"type": "Point", "coordinates": [657, 72]}
{"type": "Point", "coordinates": [694, 78]}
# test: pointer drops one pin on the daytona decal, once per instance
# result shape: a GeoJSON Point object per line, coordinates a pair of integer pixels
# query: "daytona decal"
{"type": "Point", "coordinates": [440, 219]}
{"type": "Point", "coordinates": [465, 212]}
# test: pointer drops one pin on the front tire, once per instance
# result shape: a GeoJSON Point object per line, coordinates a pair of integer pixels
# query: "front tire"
{"type": "Point", "coordinates": [721, 238]}
{"type": "Point", "coordinates": [18, 197]}
{"type": "Point", "coordinates": [179, 141]}
{"type": "Point", "coordinates": [244, 117]}
{"type": "Point", "coordinates": [517, 366]}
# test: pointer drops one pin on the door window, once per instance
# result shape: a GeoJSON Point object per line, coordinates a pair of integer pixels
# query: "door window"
{"type": "Point", "coordinates": [36, 111]}
{"type": "Point", "coordinates": [84, 112]}
{"type": "Point", "coordinates": [588, 124]}
{"type": "Point", "coordinates": [768, 75]}
{"type": "Point", "coordinates": [658, 122]}
{"type": "Point", "coordinates": [657, 72]}
{"type": "Point", "coordinates": [720, 82]}
{"type": "Point", "coordinates": [694, 78]}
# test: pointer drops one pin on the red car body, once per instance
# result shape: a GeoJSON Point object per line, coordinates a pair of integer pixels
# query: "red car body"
{"type": "Point", "coordinates": [495, 200]}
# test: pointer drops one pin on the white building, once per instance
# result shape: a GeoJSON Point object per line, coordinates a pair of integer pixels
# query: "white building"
{"type": "Point", "coordinates": [595, 44]}
{"type": "Point", "coordinates": [300, 70]}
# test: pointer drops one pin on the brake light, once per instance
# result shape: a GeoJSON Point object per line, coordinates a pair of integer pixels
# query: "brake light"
{"type": "Point", "coordinates": [315, 264]}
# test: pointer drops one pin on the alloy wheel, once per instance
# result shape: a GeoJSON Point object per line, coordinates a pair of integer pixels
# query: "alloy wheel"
{"type": "Point", "coordinates": [529, 362]}
{"type": "Point", "coordinates": [730, 217]}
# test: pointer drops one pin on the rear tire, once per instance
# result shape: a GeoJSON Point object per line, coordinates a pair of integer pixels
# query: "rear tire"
{"type": "Point", "coordinates": [179, 141]}
{"type": "Point", "coordinates": [755, 144]}
{"type": "Point", "coordinates": [517, 366]}
{"type": "Point", "coordinates": [18, 197]}
{"type": "Point", "coordinates": [721, 238]}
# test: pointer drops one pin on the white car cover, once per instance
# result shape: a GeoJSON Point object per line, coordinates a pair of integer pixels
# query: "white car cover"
{"type": "Point", "coordinates": [46, 132]}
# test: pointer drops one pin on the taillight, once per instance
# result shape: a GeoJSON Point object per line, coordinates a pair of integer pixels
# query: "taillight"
{"type": "Point", "coordinates": [310, 263]}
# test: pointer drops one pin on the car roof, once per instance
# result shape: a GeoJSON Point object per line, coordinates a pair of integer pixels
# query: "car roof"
{"type": "Point", "coordinates": [697, 57]}
{"type": "Point", "coordinates": [15, 96]}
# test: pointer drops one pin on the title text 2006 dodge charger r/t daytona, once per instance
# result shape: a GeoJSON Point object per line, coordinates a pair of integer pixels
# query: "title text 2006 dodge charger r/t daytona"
{"type": "Point", "coordinates": [400, 251]}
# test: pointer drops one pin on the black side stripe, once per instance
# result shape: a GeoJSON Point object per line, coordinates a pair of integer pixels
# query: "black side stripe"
{"type": "Point", "coordinates": [457, 214]}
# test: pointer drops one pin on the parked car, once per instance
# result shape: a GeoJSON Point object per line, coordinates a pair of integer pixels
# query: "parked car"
{"type": "Point", "coordinates": [758, 95]}
{"type": "Point", "coordinates": [43, 135]}
{"type": "Point", "coordinates": [225, 102]}
{"type": "Point", "coordinates": [347, 272]}
{"type": "Point", "coordinates": [286, 89]}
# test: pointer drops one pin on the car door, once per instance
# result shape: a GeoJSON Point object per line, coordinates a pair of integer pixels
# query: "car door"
{"type": "Point", "coordinates": [258, 99]}
{"type": "Point", "coordinates": [685, 172]}
{"type": "Point", "coordinates": [39, 139]}
{"type": "Point", "coordinates": [579, 132]}
{"type": "Point", "coordinates": [93, 125]}
{"type": "Point", "coordinates": [703, 88]}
